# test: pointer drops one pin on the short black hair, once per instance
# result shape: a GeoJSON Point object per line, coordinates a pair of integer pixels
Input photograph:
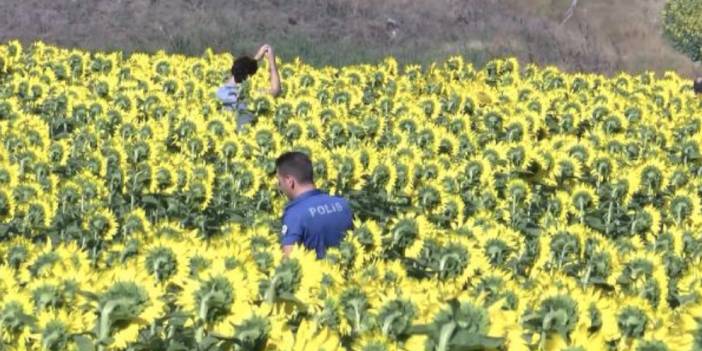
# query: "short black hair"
{"type": "Point", "coordinates": [296, 164]}
{"type": "Point", "coordinates": [244, 67]}
{"type": "Point", "coordinates": [698, 85]}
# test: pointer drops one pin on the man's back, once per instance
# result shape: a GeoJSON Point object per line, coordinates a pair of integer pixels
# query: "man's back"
{"type": "Point", "coordinates": [317, 221]}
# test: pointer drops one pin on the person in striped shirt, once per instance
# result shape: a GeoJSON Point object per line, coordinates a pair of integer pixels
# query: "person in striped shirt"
{"type": "Point", "coordinates": [230, 93]}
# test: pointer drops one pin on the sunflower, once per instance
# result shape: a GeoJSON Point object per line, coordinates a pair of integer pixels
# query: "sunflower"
{"type": "Point", "coordinates": [633, 320]}
{"type": "Point", "coordinates": [684, 209]}
{"type": "Point", "coordinates": [126, 297]}
{"type": "Point", "coordinates": [647, 177]}
{"type": "Point", "coordinates": [499, 245]}
{"type": "Point", "coordinates": [310, 336]}
{"type": "Point", "coordinates": [165, 260]}
{"type": "Point", "coordinates": [102, 223]}
{"type": "Point", "coordinates": [55, 328]}
{"type": "Point", "coordinates": [16, 313]}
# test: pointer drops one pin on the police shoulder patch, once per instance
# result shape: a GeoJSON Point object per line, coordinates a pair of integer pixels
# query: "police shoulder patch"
{"type": "Point", "coordinates": [284, 230]}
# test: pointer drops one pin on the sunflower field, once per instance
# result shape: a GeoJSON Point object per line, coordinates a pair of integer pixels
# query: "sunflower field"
{"type": "Point", "coordinates": [503, 208]}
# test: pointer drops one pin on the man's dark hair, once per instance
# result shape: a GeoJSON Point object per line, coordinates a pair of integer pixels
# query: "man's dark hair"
{"type": "Point", "coordinates": [244, 67]}
{"type": "Point", "coordinates": [698, 85]}
{"type": "Point", "coordinates": [295, 164]}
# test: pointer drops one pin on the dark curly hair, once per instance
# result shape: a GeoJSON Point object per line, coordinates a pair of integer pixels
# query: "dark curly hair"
{"type": "Point", "coordinates": [244, 67]}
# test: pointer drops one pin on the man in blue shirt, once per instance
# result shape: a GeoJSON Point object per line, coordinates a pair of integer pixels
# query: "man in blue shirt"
{"type": "Point", "coordinates": [312, 217]}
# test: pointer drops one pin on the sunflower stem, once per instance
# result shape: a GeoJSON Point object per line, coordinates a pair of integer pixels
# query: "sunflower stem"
{"type": "Point", "coordinates": [270, 293]}
{"type": "Point", "coordinates": [156, 265]}
{"type": "Point", "coordinates": [202, 314]}
{"type": "Point", "coordinates": [105, 324]}
{"type": "Point", "coordinates": [586, 279]}
{"type": "Point", "coordinates": [387, 323]}
{"type": "Point", "coordinates": [609, 216]}
{"type": "Point", "coordinates": [50, 340]}
{"type": "Point", "coordinates": [445, 336]}
{"type": "Point", "coordinates": [633, 226]}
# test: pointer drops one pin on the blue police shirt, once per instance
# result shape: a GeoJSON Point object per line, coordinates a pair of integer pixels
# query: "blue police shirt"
{"type": "Point", "coordinates": [316, 220]}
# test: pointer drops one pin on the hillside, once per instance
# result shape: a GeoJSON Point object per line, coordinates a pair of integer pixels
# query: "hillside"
{"type": "Point", "coordinates": [603, 36]}
{"type": "Point", "coordinates": [493, 209]}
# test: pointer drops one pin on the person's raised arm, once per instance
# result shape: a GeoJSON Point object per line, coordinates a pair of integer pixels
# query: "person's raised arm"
{"type": "Point", "coordinates": [261, 52]}
{"type": "Point", "coordinates": [275, 77]}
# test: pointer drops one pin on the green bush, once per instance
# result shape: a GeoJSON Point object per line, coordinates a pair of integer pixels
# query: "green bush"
{"type": "Point", "coordinates": [682, 23]}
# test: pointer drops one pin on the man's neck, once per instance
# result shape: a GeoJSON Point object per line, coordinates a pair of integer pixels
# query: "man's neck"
{"type": "Point", "coordinates": [303, 189]}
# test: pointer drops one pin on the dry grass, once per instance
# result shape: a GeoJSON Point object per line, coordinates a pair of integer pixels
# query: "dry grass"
{"type": "Point", "coordinates": [603, 35]}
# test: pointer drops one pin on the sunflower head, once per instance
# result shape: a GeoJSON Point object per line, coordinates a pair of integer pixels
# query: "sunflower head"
{"type": "Point", "coordinates": [252, 334]}
{"type": "Point", "coordinates": [466, 319]}
{"type": "Point", "coordinates": [16, 314]}
{"type": "Point", "coordinates": [284, 282]}
{"type": "Point", "coordinates": [161, 263]}
{"type": "Point", "coordinates": [632, 321]}
{"type": "Point", "coordinates": [557, 314]}
{"type": "Point", "coordinates": [395, 318]}
{"type": "Point", "coordinates": [213, 298]}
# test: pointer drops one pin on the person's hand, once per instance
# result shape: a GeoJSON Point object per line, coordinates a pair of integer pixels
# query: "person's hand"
{"type": "Point", "coordinates": [261, 52]}
{"type": "Point", "coordinates": [267, 50]}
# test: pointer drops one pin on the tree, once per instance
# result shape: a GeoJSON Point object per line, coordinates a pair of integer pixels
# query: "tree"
{"type": "Point", "coordinates": [682, 24]}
